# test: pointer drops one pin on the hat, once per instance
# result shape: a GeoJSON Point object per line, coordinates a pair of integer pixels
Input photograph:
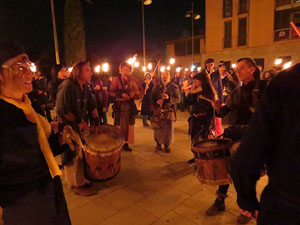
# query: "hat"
{"type": "Point", "coordinates": [209, 60]}
{"type": "Point", "coordinates": [9, 50]}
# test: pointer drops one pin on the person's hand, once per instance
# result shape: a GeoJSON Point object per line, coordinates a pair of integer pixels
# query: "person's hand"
{"type": "Point", "coordinates": [125, 96]}
{"type": "Point", "coordinates": [83, 125]}
{"type": "Point", "coordinates": [54, 127]}
{"type": "Point", "coordinates": [216, 105]}
{"type": "Point", "coordinates": [160, 102]}
{"type": "Point", "coordinates": [165, 96]}
{"type": "Point", "coordinates": [104, 109]}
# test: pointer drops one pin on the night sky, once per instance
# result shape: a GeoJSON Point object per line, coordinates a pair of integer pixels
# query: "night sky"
{"type": "Point", "coordinates": [113, 27]}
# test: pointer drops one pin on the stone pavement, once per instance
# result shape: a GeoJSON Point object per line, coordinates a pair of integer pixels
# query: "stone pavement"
{"type": "Point", "coordinates": [153, 188]}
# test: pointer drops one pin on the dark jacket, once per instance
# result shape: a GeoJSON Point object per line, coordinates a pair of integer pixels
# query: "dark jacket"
{"type": "Point", "coordinates": [72, 99]}
{"type": "Point", "coordinates": [273, 138]}
{"type": "Point", "coordinates": [147, 105]}
{"type": "Point", "coordinates": [239, 105]}
{"type": "Point", "coordinates": [21, 160]}
{"type": "Point", "coordinates": [171, 89]}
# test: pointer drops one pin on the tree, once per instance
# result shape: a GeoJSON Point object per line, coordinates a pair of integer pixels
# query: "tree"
{"type": "Point", "coordinates": [74, 34]}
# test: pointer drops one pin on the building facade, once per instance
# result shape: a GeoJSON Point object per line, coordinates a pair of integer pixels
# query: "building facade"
{"type": "Point", "coordinates": [259, 29]}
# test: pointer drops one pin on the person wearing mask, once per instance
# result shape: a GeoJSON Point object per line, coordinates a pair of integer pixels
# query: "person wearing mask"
{"type": "Point", "coordinates": [31, 191]}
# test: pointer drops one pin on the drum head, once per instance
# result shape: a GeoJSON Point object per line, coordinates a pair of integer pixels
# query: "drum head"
{"type": "Point", "coordinates": [212, 144]}
{"type": "Point", "coordinates": [103, 139]}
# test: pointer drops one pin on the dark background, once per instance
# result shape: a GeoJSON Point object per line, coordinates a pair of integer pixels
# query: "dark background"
{"type": "Point", "coordinates": [113, 27]}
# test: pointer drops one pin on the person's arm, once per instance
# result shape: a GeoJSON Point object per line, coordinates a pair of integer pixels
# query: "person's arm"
{"type": "Point", "coordinates": [65, 102]}
{"type": "Point", "coordinates": [253, 152]}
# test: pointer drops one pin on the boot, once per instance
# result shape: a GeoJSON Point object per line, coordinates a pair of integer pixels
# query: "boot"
{"type": "Point", "coordinates": [145, 124]}
{"type": "Point", "coordinates": [158, 147]}
{"type": "Point", "coordinates": [126, 148]}
{"type": "Point", "coordinates": [85, 190]}
{"type": "Point", "coordinates": [167, 148]}
{"type": "Point", "coordinates": [216, 208]}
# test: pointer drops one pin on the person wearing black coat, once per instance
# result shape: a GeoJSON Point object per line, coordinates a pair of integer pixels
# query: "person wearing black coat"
{"type": "Point", "coordinates": [31, 192]}
{"type": "Point", "coordinates": [272, 139]}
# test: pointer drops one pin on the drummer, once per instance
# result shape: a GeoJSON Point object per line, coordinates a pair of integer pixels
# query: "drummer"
{"type": "Point", "coordinates": [202, 111]}
{"type": "Point", "coordinates": [75, 106]}
{"type": "Point", "coordinates": [239, 106]}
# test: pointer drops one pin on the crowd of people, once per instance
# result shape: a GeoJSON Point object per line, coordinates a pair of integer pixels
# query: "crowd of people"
{"type": "Point", "coordinates": [30, 185]}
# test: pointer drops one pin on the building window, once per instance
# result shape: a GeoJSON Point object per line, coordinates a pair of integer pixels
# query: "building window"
{"type": "Point", "coordinates": [282, 19]}
{"type": "Point", "coordinates": [180, 48]}
{"type": "Point", "coordinates": [242, 38]}
{"type": "Point", "coordinates": [227, 8]}
{"type": "Point", "coordinates": [184, 47]}
{"type": "Point", "coordinates": [282, 29]}
{"type": "Point", "coordinates": [282, 2]}
{"type": "Point", "coordinates": [227, 34]}
{"type": "Point", "coordinates": [243, 6]}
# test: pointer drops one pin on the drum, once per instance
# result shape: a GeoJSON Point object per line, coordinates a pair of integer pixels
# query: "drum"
{"type": "Point", "coordinates": [212, 159]}
{"type": "Point", "coordinates": [102, 152]}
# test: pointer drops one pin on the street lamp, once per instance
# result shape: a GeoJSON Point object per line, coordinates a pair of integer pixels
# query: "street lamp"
{"type": "Point", "coordinates": [193, 17]}
{"type": "Point", "coordinates": [144, 2]}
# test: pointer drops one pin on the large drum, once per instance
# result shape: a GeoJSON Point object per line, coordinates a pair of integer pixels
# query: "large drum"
{"type": "Point", "coordinates": [212, 159]}
{"type": "Point", "coordinates": [103, 152]}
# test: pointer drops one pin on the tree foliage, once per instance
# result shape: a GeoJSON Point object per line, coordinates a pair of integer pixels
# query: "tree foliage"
{"type": "Point", "coordinates": [74, 34]}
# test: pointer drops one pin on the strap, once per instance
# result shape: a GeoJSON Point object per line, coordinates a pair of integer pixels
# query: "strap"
{"type": "Point", "coordinates": [121, 82]}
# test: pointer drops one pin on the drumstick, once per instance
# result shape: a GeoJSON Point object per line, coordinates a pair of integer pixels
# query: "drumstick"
{"type": "Point", "coordinates": [206, 99]}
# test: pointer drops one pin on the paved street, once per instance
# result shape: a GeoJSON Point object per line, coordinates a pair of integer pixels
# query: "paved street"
{"type": "Point", "coordinates": [153, 188]}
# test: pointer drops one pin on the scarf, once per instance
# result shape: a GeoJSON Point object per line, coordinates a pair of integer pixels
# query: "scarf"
{"type": "Point", "coordinates": [43, 128]}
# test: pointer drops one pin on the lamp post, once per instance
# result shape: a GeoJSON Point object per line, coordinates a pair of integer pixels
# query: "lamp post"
{"type": "Point", "coordinates": [55, 34]}
{"type": "Point", "coordinates": [144, 2]}
{"type": "Point", "coordinates": [193, 17]}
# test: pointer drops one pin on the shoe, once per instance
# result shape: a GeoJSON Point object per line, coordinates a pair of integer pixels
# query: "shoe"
{"type": "Point", "coordinates": [126, 148]}
{"type": "Point", "coordinates": [85, 190]}
{"type": "Point", "coordinates": [191, 161]}
{"type": "Point", "coordinates": [216, 208]}
{"type": "Point", "coordinates": [158, 147]}
{"type": "Point", "coordinates": [243, 219]}
{"type": "Point", "coordinates": [167, 149]}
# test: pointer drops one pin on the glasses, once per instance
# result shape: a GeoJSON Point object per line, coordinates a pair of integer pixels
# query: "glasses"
{"type": "Point", "coordinates": [23, 66]}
